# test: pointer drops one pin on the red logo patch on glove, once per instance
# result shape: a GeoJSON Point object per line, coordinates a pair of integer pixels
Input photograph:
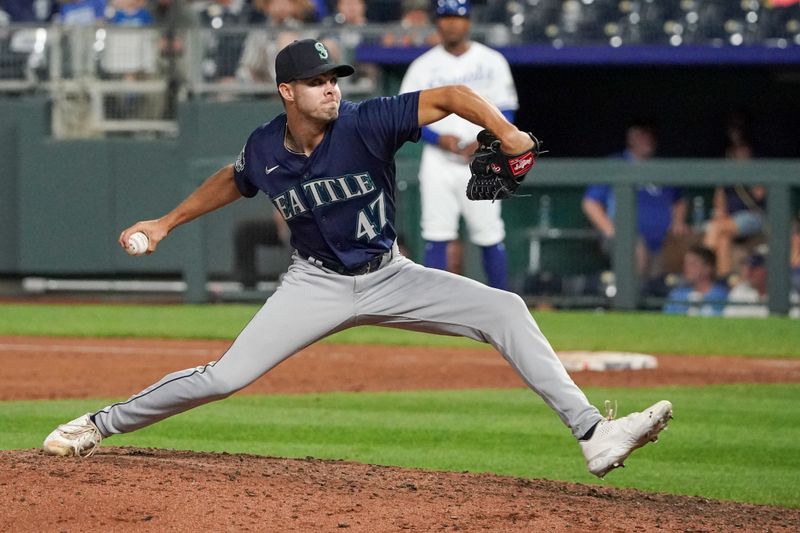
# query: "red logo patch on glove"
{"type": "Point", "coordinates": [521, 164]}
{"type": "Point", "coordinates": [495, 168]}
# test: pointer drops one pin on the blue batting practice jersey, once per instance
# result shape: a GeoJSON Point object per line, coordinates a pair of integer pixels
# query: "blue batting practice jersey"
{"type": "Point", "coordinates": [339, 202]}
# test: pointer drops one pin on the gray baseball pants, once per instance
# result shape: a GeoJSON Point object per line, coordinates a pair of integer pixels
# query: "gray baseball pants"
{"type": "Point", "coordinates": [312, 302]}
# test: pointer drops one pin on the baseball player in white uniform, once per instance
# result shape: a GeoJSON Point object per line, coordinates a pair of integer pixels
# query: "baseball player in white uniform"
{"type": "Point", "coordinates": [449, 143]}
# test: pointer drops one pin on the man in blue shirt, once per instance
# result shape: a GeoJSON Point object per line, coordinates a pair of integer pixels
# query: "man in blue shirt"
{"type": "Point", "coordinates": [699, 294]}
{"type": "Point", "coordinates": [660, 210]}
{"type": "Point", "coordinates": [328, 167]}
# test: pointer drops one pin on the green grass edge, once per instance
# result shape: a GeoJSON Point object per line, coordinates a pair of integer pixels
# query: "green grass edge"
{"type": "Point", "coordinates": [566, 330]}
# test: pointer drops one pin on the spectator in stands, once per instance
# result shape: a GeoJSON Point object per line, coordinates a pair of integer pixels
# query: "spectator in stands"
{"type": "Point", "coordinates": [341, 40]}
{"type": "Point", "coordinates": [26, 10]}
{"type": "Point", "coordinates": [660, 210]}
{"type": "Point", "coordinates": [81, 12]}
{"type": "Point", "coordinates": [129, 54]}
{"type": "Point", "coordinates": [748, 297]}
{"type": "Point", "coordinates": [284, 22]}
{"type": "Point", "coordinates": [222, 49]}
{"type": "Point", "coordinates": [131, 13]}
{"type": "Point", "coordinates": [22, 56]}
{"type": "Point", "coordinates": [217, 14]}
{"type": "Point", "coordinates": [738, 212]}
{"type": "Point", "coordinates": [416, 26]}
{"type": "Point", "coordinates": [348, 13]}
{"type": "Point", "coordinates": [699, 293]}
{"type": "Point", "coordinates": [319, 11]}
{"type": "Point", "coordinates": [79, 45]}
{"type": "Point", "coordinates": [135, 50]}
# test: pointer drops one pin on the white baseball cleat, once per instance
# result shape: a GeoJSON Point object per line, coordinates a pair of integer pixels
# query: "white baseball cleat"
{"type": "Point", "coordinates": [79, 437]}
{"type": "Point", "coordinates": [614, 440]}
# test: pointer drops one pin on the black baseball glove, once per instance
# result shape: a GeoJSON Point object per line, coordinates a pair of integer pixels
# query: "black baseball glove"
{"type": "Point", "coordinates": [496, 175]}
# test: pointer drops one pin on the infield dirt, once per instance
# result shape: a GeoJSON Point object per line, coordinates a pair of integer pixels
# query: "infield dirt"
{"type": "Point", "coordinates": [125, 489]}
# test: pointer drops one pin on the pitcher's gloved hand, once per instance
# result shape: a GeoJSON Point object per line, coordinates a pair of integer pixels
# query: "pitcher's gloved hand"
{"type": "Point", "coordinates": [496, 175]}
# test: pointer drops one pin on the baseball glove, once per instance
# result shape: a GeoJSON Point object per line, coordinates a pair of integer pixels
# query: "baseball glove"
{"type": "Point", "coordinates": [496, 175]}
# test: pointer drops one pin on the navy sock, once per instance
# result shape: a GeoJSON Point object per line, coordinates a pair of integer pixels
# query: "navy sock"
{"type": "Point", "coordinates": [588, 434]}
{"type": "Point", "coordinates": [495, 264]}
{"type": "Point", "coordinates": [436, 254]}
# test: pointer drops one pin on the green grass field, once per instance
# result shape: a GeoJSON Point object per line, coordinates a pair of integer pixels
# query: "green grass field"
{"type": "Point", "coordinates": [737, 442]}
{"type": "Point", "coordinates": [641, 332]}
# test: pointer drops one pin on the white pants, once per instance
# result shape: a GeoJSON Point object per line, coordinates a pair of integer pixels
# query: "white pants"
{"type": "Point", "coordinates": [443, 181]}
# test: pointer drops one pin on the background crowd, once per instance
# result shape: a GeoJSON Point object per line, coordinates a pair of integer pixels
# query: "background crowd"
{"type": "Point", "coordinates": [719, 249]}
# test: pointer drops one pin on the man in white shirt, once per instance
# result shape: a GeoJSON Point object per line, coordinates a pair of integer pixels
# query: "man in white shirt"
{"type": "Point", "coordinates": [443, 175]}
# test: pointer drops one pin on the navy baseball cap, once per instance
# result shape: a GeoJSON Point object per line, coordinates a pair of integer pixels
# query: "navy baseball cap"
{"type": "Point", "coordinates": [757, 260]}
{"type": "Point", "coordinates": [304, 59]}
{"type": "Point", "coordinates": [452, 8]}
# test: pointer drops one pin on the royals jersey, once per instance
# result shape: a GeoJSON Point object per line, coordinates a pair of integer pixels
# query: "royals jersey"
{"type": "Point", "coordinates": [339, 202]}
{"type": "Point", "coordinates": [481, 68]}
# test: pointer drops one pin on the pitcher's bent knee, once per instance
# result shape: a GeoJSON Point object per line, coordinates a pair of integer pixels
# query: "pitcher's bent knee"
{"type": "Point", "coordinates": [219, 385]}
{"type": "Point", "coordinates": [506, 309]}
{"type": "Point", "coordinates": [513, 305]}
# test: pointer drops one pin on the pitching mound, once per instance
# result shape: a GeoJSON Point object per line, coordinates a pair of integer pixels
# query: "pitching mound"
{"type": "Point", "coordinates": [127, 489]}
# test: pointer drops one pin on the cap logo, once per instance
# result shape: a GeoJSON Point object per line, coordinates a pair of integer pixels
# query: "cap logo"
{"type": "Point", "coordinates": [323, 53]}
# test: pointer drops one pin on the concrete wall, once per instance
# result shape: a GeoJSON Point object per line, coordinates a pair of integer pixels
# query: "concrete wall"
{"type": "Point", "coordinates": [64, 203]}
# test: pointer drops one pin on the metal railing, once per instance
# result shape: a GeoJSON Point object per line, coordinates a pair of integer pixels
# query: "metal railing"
{"type": "Point", "coordinates": [779, 176]}
{"type": "Point", "coordinates": [107, 80]}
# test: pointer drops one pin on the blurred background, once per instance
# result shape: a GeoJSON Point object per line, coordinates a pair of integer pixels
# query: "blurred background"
{"type": "Point", "coordinates": [114, 110]}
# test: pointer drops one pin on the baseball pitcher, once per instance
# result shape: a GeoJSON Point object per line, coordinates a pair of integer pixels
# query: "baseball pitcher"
{"type": "Point", "coordinates": [328, 167]}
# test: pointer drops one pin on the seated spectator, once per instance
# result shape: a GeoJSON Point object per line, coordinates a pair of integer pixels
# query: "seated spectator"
{"type": "Point", "coordinates": [81, 16]}
{"type": "Point", "coordinates": [284, 20]}
{"type": "Point", "coordinates": [81, 12]}
{"type": "Point", "coordinates": [319, 12]}
{"type": "Point", "coordinates": [131, 13]}
{"type": "Point", "coordinates": [218, 14]}
{"type": "Point", "coordinates": [749, 296]}
{"type": "Point", "coordinates": [348, 13]}
{"type": "Point", "coordinates": [699, 294]}
{"type": "Point", "coordinates": [130, 54]}
{"type": "Point", "coordinates": [22, 55]}
{"type": "Point", "coordinates": [416, 26]}
{"type": "Point", "coordinates": [660, 210]}
{"type": "Point", "coordinates": [223, 48]}
{"type": "Point", "coordinates": [25, 10]}
{"type": "Point", "coordinates": [738, 214]}
{"type": "Point", "coordinates": [342, 37]}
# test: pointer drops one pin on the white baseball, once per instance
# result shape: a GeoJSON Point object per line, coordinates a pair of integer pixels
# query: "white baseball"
{"type": "Point", "coordinates": [137, 243]}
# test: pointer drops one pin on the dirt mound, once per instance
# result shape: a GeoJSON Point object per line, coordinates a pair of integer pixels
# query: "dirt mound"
{"type": "Point", "coordinates": [127, 489]}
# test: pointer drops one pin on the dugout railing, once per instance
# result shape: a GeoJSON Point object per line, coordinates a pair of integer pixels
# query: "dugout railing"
{"type": "Point", "coordinates": [779, 176]}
